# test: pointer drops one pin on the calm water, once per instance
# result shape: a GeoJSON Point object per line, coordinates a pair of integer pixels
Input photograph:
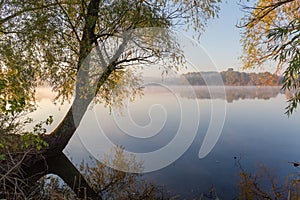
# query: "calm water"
{"type": "Point", "coordinates": [255, 130]}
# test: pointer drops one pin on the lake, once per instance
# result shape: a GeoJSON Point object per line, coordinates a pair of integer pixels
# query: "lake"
{"type": "Point", "coordinates": [253, 131]}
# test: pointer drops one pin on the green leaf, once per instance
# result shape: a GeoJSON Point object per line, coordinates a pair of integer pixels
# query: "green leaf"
{"type": "Point", "coordinates": [2, 157]}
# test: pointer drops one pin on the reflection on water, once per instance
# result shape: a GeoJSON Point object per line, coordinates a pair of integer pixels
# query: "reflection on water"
{"type": "Point", "coordinates": [255, 129]}
{"type": "Point", "coordinates": [263, 184]}
{"type": "Point", "coordinates": [202, 92]}
{"type": "Point", "coordinates": [233, 93]}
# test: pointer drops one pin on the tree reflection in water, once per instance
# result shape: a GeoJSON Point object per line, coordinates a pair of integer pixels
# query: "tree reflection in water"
{"type": "Point", "coordinates": [94, 180]}
{"type": "Point", "coordinates": [263, 184]}
{"type": "Point", "coordinates": [232, 92]}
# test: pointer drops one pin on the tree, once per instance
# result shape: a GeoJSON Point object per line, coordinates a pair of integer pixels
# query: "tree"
{"type": "Point", "coordinates": [232, 78]}
{"type": "Point", "coordinates": [91, 46]}
{"type": "Point", "coordinates": [272, 32]}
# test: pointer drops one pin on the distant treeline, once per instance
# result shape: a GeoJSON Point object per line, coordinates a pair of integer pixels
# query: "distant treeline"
{"type": "Point", "coordinates": [231, 77]}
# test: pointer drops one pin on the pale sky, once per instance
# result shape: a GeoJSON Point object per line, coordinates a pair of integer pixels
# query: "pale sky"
{"type": "Point", "coordinates": [219, 47]}
{"type": "Point", "coordinates": [222, 39]}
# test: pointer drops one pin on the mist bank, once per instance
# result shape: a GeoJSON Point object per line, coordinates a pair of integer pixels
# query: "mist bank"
{"type": "Point", "coordinates": [213, 78]}
{"type": "Point", "coordinates": [232, 93]}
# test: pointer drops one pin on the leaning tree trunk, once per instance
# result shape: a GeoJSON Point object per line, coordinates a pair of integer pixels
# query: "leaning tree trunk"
{"type": "Point", "coordinates": [85, 88]}
{"type": "Point", "coordinates": [59, 138]}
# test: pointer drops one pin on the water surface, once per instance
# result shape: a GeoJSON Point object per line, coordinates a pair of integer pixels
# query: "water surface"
{"type": "Point", "coordinates": [256, 131]}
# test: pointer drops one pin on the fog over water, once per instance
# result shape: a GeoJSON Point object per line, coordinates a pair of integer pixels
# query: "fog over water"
{"type": "Point", "coordinates": [255, 130]}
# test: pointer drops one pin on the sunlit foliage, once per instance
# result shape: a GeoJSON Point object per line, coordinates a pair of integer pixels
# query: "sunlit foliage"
{"type": "Point", "coordinates": [272, 33]}
{"type": "Point", "coordinates": [54, 42]}
{"type": "Point", "coordinates": [42, 41]}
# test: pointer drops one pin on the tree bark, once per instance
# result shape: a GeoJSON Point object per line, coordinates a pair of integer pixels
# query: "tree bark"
{"type": "Point", "coordinates": [60, 137]}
